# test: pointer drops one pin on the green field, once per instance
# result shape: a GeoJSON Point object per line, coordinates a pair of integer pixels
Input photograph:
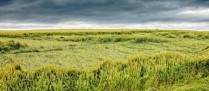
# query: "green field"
{"type": "Point", "coordinates": [104, 60]}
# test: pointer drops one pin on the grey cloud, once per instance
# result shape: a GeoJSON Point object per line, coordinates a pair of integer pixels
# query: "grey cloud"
{"type": "Point", "coordinates": [5, 2]}
{"type": "Point", "coordinates": [108, 11]}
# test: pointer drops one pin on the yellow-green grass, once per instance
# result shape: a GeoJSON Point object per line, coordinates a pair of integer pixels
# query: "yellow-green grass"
{"type": "Point", "coordinates": [162, 71]}
{"type": "Point", "coordinates": [118, 60]}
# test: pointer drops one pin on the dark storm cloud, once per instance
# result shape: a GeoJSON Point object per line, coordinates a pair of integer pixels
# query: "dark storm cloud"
{"type": "Point", "coordinates": [107, 11]}
{"type": "Point", "coordinates": [5, 2]}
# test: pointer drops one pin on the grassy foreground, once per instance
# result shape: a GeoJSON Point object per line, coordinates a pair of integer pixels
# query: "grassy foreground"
{"type": "Point", "coordinates": [104, 60]}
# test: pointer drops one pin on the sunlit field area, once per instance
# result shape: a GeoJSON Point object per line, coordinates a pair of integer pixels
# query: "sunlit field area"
{"type": "Point", "coordinates": [104, 60]}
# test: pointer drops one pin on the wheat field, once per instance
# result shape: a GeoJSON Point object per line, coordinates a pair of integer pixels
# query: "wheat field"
{"type": "Point", "coordinates": [104, 60]}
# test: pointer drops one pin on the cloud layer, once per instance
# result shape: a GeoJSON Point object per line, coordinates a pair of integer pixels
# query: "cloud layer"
{"type": "Point", "coordinates": [171, 14]}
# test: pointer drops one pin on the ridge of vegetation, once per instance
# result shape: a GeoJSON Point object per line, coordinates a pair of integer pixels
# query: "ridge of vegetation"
{"type": "Point", "coordinates": [140, 72]}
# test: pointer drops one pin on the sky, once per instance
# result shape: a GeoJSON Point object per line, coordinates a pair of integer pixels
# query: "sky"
{"type": "Point", "coordinates": [104, 14]}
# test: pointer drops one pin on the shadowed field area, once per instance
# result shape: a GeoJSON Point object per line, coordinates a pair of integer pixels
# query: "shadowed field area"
{"type": "Point", "coordinates": [100, 60]}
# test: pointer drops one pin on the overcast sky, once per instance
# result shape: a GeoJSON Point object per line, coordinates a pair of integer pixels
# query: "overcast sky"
{"type": "Point", "coordinates": [151, 14]}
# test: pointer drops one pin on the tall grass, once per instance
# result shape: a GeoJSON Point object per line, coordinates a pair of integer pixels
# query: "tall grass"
{"type": "Point", "coordinates": [140, 72]}
{"type": "Point", "coordinates": [9, 45]}
{"type": "Point", "coordinates": [149, 39]}
{"type": "Point", "coordinates": [113, 39]}
{"type": "Point", "coordinates": [187, 35]}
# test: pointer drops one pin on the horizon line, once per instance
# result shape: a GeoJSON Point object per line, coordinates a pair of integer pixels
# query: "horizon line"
{"type": "Point", "coordinates": [53, 29]}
